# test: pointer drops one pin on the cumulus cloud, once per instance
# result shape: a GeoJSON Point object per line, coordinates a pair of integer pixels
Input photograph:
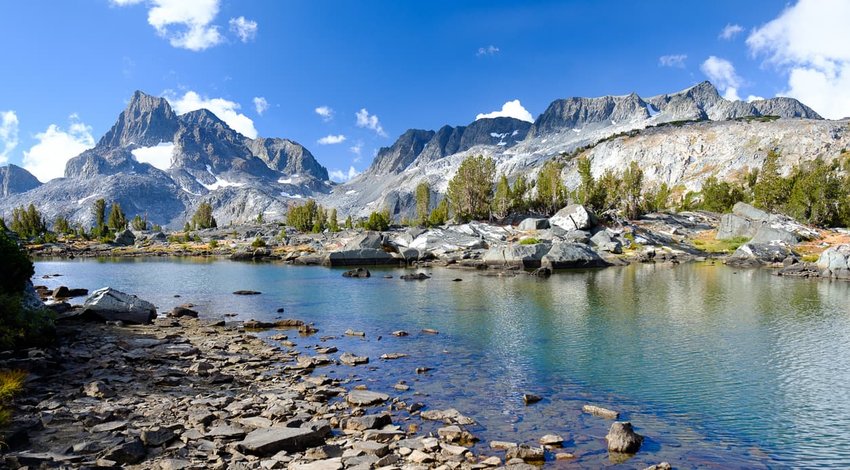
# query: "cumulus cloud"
{"type": "Point", "coordinates": [722, 73]}
{"type": "Point", "coordinates": [8, 134]}
{"type": "Point", "coordinates": [332, 139]}
{"type": "Point", "coordinates": [47, 158]}
{"type": "Point", "coordinates": [730, 31]}
{"type": "Point", "coordinates": [245, 30]}
{"type": "Point", "coordinates": [158, 156]}
{"type": "Point", "coordinates": [370, 121]}
{"type": "Point", "coordinates": [188, 24]}
{"type": "Point", "coordinates": [261, 105]}
{"type": "Point", "coordinates": [357, 150]}
{"type": "Point", "coordinates": [227, 111]}
{"type": "Point", "coordinates": [512, 109]}
{"type": "Point", "coordinates": [488, 50]}
{"type": "Point", "coordinates": [673, 60]}
{"type": "Point", "coordinates": [326, 112]}
{"type": "Point", "coordinates": [809, 42]}
{"type": "Point", "coordinates": [752, 98]}
{"type": "Point", "coordinates": [341, 176]}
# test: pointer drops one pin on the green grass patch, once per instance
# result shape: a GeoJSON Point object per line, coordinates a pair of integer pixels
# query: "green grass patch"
{"type": "Point", "coordinates": [529, 241]}
{"type": "Point", "coordinates": [810, 258]}
{"type": "Point", "coordinates": [720, 246]}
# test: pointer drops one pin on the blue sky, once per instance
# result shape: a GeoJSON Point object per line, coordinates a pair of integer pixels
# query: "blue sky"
{"type": "Point", "coordinates": [70, 66]}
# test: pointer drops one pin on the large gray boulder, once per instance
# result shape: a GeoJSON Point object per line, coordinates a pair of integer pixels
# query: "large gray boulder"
{"type": "Point", "coordinates": [571, 256]}
{"type": "Point", "coordinates": [439, 242]}
{"type": "Point", "coordinates": [533, 224]}
{"type": "Point", "coordinates": [767, 234]}
{"type": "Point", "coordinates": [113, 305]}
{"type": "Point", "coordinates": [574, 217]}
{"type": "Point", "coordinates": [757, 254]}
{"type": "Point", "coordinates": [364, 257]}
{"type": "Point", "coordinates": [125, 238]}
{"type": "Point", "coordinates": [516, 256]}
{"type": "Point", "coordinates": [365, 240]}
{"type": "Point", "coordinates": [835, 262]}
{"type": "Point", "coordinates": [603, 240]}
{"type": "Point", "coordinates": [742, 209]}
{"type": "Point", "coordinates": [735, 226]}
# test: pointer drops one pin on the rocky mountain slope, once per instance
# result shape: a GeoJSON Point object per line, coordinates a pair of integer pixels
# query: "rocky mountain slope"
{"type": "Point", "coordinates": [155, 162]}
{"type": "Point", "coordinates": [158, 163]}
{"type": "Point", "coordinates": [14, 180]}
{"type": "Point", "coordinates": [694, 133]}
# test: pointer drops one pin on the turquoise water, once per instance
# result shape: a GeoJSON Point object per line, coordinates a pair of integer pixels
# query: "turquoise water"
{"type": "Point", "coordinates": [718, 367]}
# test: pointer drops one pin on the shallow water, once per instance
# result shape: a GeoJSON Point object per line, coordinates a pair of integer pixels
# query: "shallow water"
{"type": "Point", "coordinates": [718, 367]}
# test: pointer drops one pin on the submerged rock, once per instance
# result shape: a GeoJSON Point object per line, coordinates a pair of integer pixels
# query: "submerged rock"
{"type": "Point", "coordinates": [359, 272]}
{"type": "Point", "coordinates": [601, 412]}
{"type": "Point", "coordinates": [415, 277]}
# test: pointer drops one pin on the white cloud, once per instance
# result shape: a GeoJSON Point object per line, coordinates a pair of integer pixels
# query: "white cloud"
{"type": "Point", "coordinates": [370, 121]}
{"type": "Point", "coordinates": [357, 150]}
{"type": "Point", "coordinates": [673, 60]}
{"type": "Point", "coordinates": [46, 159]}
{"type": "Point", "coordinates": [326, 113]}
{"type": "Point", "coordinates": [730, 31]}
{"type": "Point", "coordinates": [227, 111]}
{"type": "Point", "coordinates": [722, 73]}
{"type": "Point", "coordinates": [489, 50]}
{"type": "Point", "coordinates": [332, 139]}
{"type": "Point", "coordinates": [158, 156]}
{"type": "Point", "coordinates": [809, 41]}
{"type": "Point", "coordinates": [8, 134]}
{"type": "Point", "coordinates": [340, 176]}
{"type": "Point", "coordinates": [512, 109]}
{"type": "Point", "coordinates": [246, 30]}
{"type": "Point", "coordinates": [261, 105]}
{"type": "Point", "coordinates": [186, 24]}
{"type": "Point", "coordinates": [752, 98]}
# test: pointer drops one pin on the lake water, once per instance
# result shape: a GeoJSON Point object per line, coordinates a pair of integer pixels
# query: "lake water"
{"type": "Point", "coordinates": [717, 367]}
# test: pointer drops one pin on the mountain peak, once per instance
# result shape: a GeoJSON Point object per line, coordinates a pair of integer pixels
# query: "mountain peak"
{"type": "Point", "coordinates": [146, 121]}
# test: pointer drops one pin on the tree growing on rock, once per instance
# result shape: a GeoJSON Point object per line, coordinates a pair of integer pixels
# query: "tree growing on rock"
{"type": "Point", "coordinates": [61, 226]}
{"type": "Point", "coordinates": [440, 214]}
{"type": "Point", "coordinates": [28, 222]}
{"type": "Point", "coordinates": [519, 194]}
{"type": "Point", "coordinates": [720, 196]}
{"type": "Point", "coordinates": [551, 192]}
{"type": "Point", "coordinates": [632, 186]}
{"type": "Point", "coordinates": [333, 222]}
{"type": "Point", "coordinates": [138, 223]}
{"type": "Point", "coordinates": [771, 189]}
{"type": "Point", "coordinates": [203, 217]}
{"type": "Point", "coordinates": [470, 191]}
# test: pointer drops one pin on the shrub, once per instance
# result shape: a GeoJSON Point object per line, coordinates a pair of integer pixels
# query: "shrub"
{"type": "Point", "coordinates": [19, 327]}
{"type": "Point", "coordinates": [213, 244]}
{"type": "Point", "coordinates": [258, 243]}
{"type": "Point", "coordinates": [11, 384]}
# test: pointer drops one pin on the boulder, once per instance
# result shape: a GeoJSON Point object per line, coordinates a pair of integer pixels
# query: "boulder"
{"type": "Point", "coordinates": [735, 226]}
{"type": "Point", "coordinates": [125, 238]}
{"type": "Point", "coordinates": [516, 256]}
{"type": "Point", "coordinates": [414, 277]}
{"type": "Point", "coordinates": [742, 209]}
{"type": "Point", "coordinates": [601, 412]}
{"type": "Point", "coordinates": [574, 217]}
{"type": "Point", "coordinates": [109, 304]}
{"type": "Point", "coordinates": [361, 257]}
{"type": "Point", "coordinates": [269, 441]}
{"type": "Point", "coordinates": [768, 234]}
{"type": "Point", "coordinates": [526, 453]}
{"type": "Point", "coordinates": [351, 360]}
{"type": "Point", "coordinates": [366, 240]}
{"type": "Point", "coordinates": [570, 256]}
{"type": "Point", "coordinates": [362, 423]}
{"type": "Point", "coordinates": [757, 254]}
{"type": "Point", "coordinates": [604, 241]}
{"type": "Point", "coordinates": [622, 438]}
{"type": "Point", "coordinates": [835, 262]}
{"type": "Point", "coordinates": [533, 224]}
{"type": "Point", "coordinates": [63, 292]}
{"type": "Point", "coordinates": [182, 311]}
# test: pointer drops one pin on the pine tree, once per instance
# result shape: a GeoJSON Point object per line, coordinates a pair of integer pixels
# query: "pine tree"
{"type": "Point", "coordinates": [440, 214]}
{"type": "Point", "coordinates": [502, 198]}
{"type": "Point", "coordinates": [117, 219]}
{"type": "Point", "coordinates": [471, 190]}
{"type": "Point", "coordinates": [519, 192]}
{"type": "Point", "coordinates": [333, 223]}
{"type": "Point", "coordinates": [771, 189]}
{"type": "Point", "coordinates": [551, 192]}
{"type": "Point", "coordinates": [632, 184]}
{"type": "Point", "coordinates": [423, 203]}
{"type": "Point", "coordinates": [61, 225]}
{"type": "Point", "coordinates": [99, 213]}
{"type": "Point", "coordinates": [203, 217]}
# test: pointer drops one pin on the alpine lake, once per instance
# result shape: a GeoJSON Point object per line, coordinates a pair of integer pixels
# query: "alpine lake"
{"type": "Point", "coordinates": [717, 367]}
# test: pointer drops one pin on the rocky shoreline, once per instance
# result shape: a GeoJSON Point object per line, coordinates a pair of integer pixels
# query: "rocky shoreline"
{"type": "Point", "coordinates": [189, 393]}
